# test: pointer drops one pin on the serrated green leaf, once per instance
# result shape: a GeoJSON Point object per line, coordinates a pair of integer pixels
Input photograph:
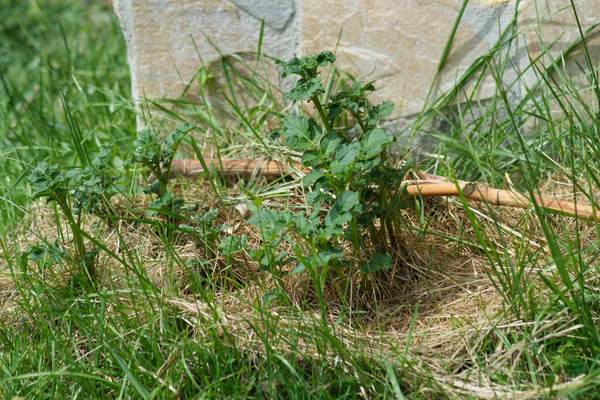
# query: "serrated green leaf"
{"type": "Point", "coordinates": [340, 211]}
{"type": "Point", "coordinates": [46, 178]}
{"type": "Point", "coordinates": [301, 133]}
{"type": "Point", "coordinates": [299, 268]}
{"type": "Point", "coordinates": [364, 87]}
{"type": "Point", "coordinates": [374, 142]}
{"type": "Point", "coordinates": [294, 66]}
{"type": "Point", "coordinates": [50, 253]}
{"type": "Point", "coordinates": [346, 156]}
{"type": "Point", "coordinates": [380, 111]}
{"type": "Point", "coordinates": [271, 295]}
{"type": "Point", "coordinates": [207, 218]}
{"type": "Point", "coordinates": [306, 66]}
{"type": "Point", "coordinates": [185, 228]}
{"type": "Point", "coordinates": [272, 223]}
{"type": "Point", "coordinates": [353, 100]}
{"type": "Point", "coordinates": [312, 177]}
{"type": "Point", "coordinates": [334, 110]}
{"type": "Point", "coordinates": [369, 165]}
{"type": "Point", "coordinates": [304, 90]}
{"type": "Point", "coordinates": [305, 226]}
{"type": "Point", "coordinates": [87, 186]}
{"type": "Point", "coordinates": [377, 263]}
{"type": "Point", "coordinates": [295, 131]}
{"type": "Point", "coordinates": [346, 201]}
{"type": "Point", "coordinates": [329, 143]}
{"type": "Point", "coordinates": [323, 257]}
{"type": "Point", "coordinates": [166, 202]}
{"type": "Point", "coordinates": [171, 143]}
{"type": "Point", "coordinates": [154, 188]}
{"type": "Point", "coordinates": [309, 156]}
{"type": "Point", "coordinates": [324, 57]}
{"type": "Point", "coordinates": [351, 105]}
{"type": "Point", "coordinates": [317, 260]}
{"type": "Point", "coordinates": [185, 128]}
{"type": "Point", "coordinates": [232, 245]}
{"type": "Point", "coordinates": [146, 146]}
{"type": "Point", "coordinates": [316, 197]}
{"type": "Point", "coordinates": [102, 158]}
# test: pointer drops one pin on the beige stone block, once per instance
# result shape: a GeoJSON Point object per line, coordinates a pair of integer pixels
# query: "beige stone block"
{"type": "Point", "coordinates": [554, 22]}
{"type": "Point", "coordinates": [549, 28]}
{"type": "Point", "coordinates": [400, 43]}
{"type": "Point", "coordinates": [397, 43]}
{"type": "Point", "coordinates": [169, 40]}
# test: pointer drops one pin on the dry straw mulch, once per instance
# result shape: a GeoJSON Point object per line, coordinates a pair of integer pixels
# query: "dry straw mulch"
{"type": "Point", "coordinates": [439, 299]}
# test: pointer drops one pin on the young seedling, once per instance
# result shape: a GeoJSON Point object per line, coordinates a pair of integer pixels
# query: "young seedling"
{"type": "Point", "coordinates": [44, 254]}
{"type": "Point", "coordinates": [205, 230]}
{"type": "Point", "coordinates": [76, 192]}
{"type": "Point", "coordinates": [157, 155]}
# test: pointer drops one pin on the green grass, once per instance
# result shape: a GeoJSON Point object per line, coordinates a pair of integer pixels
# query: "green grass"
{"type": "Point", "coordinates": [51, 53]}
{"type": "Point", "coordinates": [482, 303]}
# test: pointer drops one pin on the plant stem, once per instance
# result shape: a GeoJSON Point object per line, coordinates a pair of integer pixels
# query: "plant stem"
{"type": "Point", "coordinates": [383, 202]}
{"type": "Point", "coordinates": [319, 107]}
{"type": "Point", "coordinates": [355, 239]}
{"type": "Point", "coordinates": [80, 250]}
{"type": "Point", "coordinates": [360, 123]}
{"type": "Point", "coordinates": [383, 156]}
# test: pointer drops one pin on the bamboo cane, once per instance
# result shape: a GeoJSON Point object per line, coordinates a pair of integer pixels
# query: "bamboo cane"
{"type": "Point", "coordinates": [427, 186]}
{"type": "Point", "coordinates": [231, 167]}
{"type": "Point", "coordinates": [499, 197]}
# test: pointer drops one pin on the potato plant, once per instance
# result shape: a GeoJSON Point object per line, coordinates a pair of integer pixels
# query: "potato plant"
{"type": "Point", "coordinates": [349, 188]}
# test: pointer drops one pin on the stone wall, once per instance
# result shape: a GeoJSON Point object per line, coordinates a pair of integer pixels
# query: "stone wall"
{"type": "Point", "coordinates": [398, 43]}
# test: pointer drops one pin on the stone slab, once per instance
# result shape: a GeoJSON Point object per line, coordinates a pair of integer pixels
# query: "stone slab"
{"type": "Point", "coordinates": [398, 43]}
{"type": "Point", "coordinates": [168, 41]}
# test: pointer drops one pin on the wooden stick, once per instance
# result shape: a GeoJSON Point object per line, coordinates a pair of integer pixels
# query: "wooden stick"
{"type": "Point", "coordinates": [498, 197]}
{"type": "Point", "coordinates": [232, 167]}
{"type": "Point", "coordinates": [428, 185]}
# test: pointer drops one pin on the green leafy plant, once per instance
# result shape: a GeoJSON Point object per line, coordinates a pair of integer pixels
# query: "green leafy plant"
{"type": "Point", "coordinates": [352, 187]}
{"type": "Point", "coordinates": [232, 244]}
{"type": "Point", "coordinates": [205, 230]}
{"type": "Point", "coordinates": [157, 155]}
{"type": "Point", "coordinates": [44, 254]}
{"type": "Point", "coordinates": [76, 192]}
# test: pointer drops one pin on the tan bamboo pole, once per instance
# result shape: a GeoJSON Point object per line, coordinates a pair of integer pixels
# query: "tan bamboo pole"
{"type": "Point", "coordinates": [499, 197]}
{"type": "Point", "coordinates": [232, 167]}
{"type": "Point", "coordinates": [428, 185]}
